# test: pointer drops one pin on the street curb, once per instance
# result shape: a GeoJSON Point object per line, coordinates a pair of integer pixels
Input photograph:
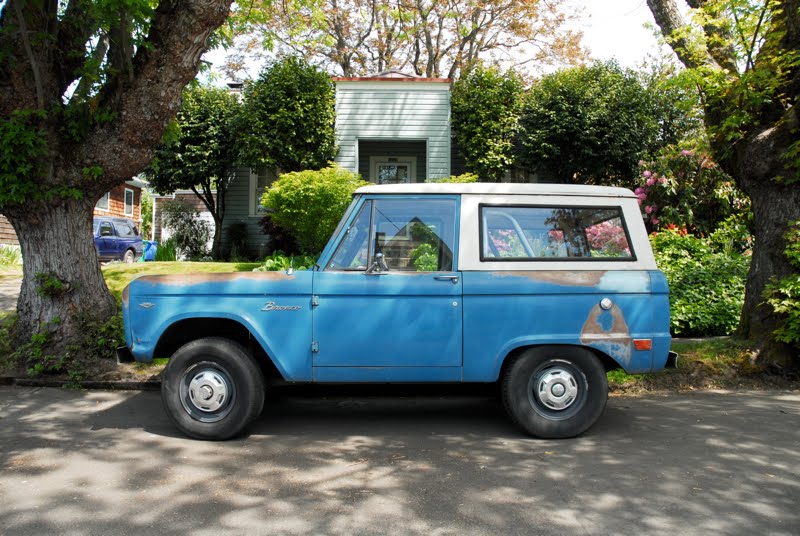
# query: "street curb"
{"type": "Point", "coordinates": [147, 385]}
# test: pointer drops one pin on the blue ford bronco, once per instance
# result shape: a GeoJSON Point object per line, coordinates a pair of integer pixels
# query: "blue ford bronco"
{"type": "Point", "coordinates": [541, 288]}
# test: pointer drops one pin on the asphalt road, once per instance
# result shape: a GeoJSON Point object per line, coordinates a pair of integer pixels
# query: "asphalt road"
{"type": "Point", "coordinates": [78, 462]}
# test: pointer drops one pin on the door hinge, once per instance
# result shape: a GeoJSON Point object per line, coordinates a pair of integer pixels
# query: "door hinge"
{"type": "Point", "coordinates": [314, 301]}
{"type": "Point", "coordinates": [315, 347]}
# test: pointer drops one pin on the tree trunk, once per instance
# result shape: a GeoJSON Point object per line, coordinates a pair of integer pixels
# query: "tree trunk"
{"type": "Point", "coordinates": [57, 296]}
{"type": "Point", "coordinates": [216, 245]}
{"type": "Point", "coordinates": [759, 161]}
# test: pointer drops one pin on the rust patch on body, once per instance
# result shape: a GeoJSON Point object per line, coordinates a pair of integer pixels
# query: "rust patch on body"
{"type": "Point", "coordinates": [615, 340]}
{"type": "Point", "coordinates": [193, 279]}
{"type": "Point", "coordinates": [566, 278]}
{"type": "Point", "coordinates": [126, 295]}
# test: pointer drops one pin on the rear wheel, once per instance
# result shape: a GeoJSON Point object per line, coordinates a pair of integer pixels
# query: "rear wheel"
{"type": "Point", "coordinates": [212, 388]}
{"type": "Point", "coordinates": [555, 391]}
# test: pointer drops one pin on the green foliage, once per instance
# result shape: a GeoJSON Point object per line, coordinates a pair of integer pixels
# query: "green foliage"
{"type": "Point", "coordinates": [10, 256]}
{"type": "Point", "coordinates": [190, 233]}
{"type": "Point", "coordinates": [425, 258]}
{"type": "Point", "coordinates": [706, 286]}
{"type": "Point", "coordinates": [23, 139]}
{"type": "Point", "coordinates": [50, 284]}
{"type": "Point", "coordinates": [309, 204]}
{"type": "Point", "coordinates": [147, 214]}
{"type": "Point", "coordinates": [783, 294]}
{"type": "Point", "coordinates": [290, 117]}
{"type": "Point", "coordinates": [671, 185]}
{"type": "Point", "coordinates": [593, 124]}
{"type": "Point", "coordinates": [464, 178]}
{"type": "Point", "coordinates": [279, 261]}
{"type": "Point", "coordinates": [485, 112]}
{"type": "Point", "coordinates": [202, 146]}
{"type": "Point", "coordinates": [166, 251]}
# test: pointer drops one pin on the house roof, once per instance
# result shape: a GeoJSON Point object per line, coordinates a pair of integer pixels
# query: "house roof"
{"type": "Point", "coordinates": [392, 75]}
{"type": "Point", "coordinates": [484, 188]}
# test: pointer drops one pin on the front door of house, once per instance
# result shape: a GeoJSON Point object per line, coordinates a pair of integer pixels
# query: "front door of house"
{"type": "Point", "coordinates": [392, 170]}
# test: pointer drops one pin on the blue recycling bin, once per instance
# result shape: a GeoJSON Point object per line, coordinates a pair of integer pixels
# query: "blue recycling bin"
{"type": "Point", "coordinates": [150, 248]}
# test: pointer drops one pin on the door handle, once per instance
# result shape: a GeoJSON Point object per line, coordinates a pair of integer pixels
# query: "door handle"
{"type": "Point", "coordinates": [452, 278]}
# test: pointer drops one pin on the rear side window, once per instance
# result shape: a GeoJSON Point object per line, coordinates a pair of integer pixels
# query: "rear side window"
{"type": "Point", "coordinates": [553, 233]}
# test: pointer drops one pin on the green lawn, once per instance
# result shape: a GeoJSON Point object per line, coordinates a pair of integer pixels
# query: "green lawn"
{"type": "Point", "coordinates": [118, 275]}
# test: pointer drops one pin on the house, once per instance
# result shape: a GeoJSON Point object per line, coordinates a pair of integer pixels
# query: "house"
{"type": "Point", "coordinates": [123, 201]}
{"type": "Point", "coordinates": [159, 232]}
{"type": "Point", "coordinates": [391, 127]}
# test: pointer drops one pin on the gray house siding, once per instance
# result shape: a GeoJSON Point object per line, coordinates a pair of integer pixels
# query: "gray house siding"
{"type": "Point", "coordinates": [396, 111]}
{"type": "Point", "coordinates": [237, 210]}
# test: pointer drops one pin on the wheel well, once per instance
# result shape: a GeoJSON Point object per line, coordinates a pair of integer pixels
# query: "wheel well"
{"type": "Point", "coordinates": [185, 331]}
{"type": "Point", "coordinates": [608, 362]}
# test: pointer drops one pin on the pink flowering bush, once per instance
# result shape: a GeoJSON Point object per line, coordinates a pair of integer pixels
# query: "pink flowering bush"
{"type": "Point", "coordinates": [687, 189]}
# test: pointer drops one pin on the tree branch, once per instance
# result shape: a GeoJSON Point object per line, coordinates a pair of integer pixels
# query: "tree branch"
{"type": "Point", "coordinates": [26, 43]}
{"type": "Point", "coordinates": [670, 20]}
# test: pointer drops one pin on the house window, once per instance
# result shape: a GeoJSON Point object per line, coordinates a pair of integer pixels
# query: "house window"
{"type": "Point", "coordinates": [128, 202]}
{"type": "Point", "coordinates": [104, 202]}
{"type": "Point", "coordinates": [392, 169]}
{"type": "Point", "coordinates": [260, 180]}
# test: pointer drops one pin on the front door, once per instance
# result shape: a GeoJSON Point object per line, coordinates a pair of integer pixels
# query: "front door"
{"type": "Point", "coordinates": [390, 297]}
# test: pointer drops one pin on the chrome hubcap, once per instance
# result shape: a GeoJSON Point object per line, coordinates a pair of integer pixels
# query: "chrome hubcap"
{"type": "Point", "coordinates": [208, 391]}
{"type": "Point", "coordinates": [557, 388]}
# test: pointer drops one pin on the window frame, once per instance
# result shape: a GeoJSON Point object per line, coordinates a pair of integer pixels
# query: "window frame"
{"type": "Point", "coordinates": [107, 198]}
{"type": "Point", "coordinates": [620, 210]}
{"type": "Point", "coordinates": [125, 202]}
{"type": "Point", "coordinates": [355, 212]}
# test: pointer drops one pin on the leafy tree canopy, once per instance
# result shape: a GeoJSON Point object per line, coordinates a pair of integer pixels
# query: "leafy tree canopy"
{"type": "Point", "coordinates": [593, 124]}
{"type": "Point", "coordinates": [201, 151]}
{"type": "Point", "coordinates": [485, 112]}
{"type": "Point", "coordinates": [432, 38]}
{"type": "Point", "coordinates": [290, 117]}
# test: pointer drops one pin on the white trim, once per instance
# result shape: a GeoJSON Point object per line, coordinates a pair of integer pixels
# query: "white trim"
{"type": "Point", "coordinates": [485, 188]}
{"type": "Point", "coordinates": [107, 196]}
{"type": "Point", "coordinates": [125, 202]}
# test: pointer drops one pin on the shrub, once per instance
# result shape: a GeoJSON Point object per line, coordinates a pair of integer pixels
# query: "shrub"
{"type": "Point", "coordinates": [189, 232]}
{"type": "Point", "coordinates": [279, 239]}
{"type": "Point", "coordinates": [237, 240]}
{"type": "Point", "coordinates": [166, 251]}
{"type": "Point", "coordinates": [309, 204]}
{"type": "Point", "coordinates": [10, 256]}
{"type": "Point", "coordinates": [280, 261]}
{"type": "Point", "coordinates": [783, 295]}
{"type": "Point", "coordinates": [671, 186]}
{"type": "Point", "coordinates": [706, 287]}
{"type": "Point", "coordinates": [463, 179]}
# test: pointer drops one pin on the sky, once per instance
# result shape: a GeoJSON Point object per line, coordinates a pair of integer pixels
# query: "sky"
{"type": "Point", "coordinates": [616, 29]}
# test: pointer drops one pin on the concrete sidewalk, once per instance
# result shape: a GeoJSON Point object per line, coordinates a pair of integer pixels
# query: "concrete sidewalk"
{"type": "Point", "coordinates": [96, 462]}
{"type": "Point", "coordinates": [9, 291]}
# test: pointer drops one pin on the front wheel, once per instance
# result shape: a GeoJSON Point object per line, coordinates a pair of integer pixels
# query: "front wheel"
{"type": "Point", "coordinates": [212, 389]}
{"type": "Point", "coordinates": [555, 391]}
{"type": "Point", "coordinates": [128, 257]}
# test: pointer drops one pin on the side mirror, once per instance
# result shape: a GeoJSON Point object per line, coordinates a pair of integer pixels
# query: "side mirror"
{"type": "Point", "coordinates": [379, 266]}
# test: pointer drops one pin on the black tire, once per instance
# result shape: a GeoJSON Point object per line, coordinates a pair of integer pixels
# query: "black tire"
{"type": "Point", "coordinates": [555, 392]}
{"type": "Point", "coordinates": [223, 371]}
{"type": "Point", "coordinates": [128, 258]}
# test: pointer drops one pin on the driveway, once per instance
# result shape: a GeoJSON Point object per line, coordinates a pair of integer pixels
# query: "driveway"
{"type": "Point", "coordinates": [9, 291]}
{"type": "Point", "coordinates": [77, 462]}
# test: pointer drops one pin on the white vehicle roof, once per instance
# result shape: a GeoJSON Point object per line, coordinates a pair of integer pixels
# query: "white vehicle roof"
{"type": "Point", "coordinates": [485, 188]}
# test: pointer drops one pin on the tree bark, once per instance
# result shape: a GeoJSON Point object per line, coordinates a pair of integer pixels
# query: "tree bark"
{"type": "Point", "coordinates": [57, 247]}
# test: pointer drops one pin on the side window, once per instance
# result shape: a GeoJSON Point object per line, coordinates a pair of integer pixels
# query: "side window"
{"type": "Point", "coordinates": [125, 230]}
{"type": "Point", "coordinates": [106, 229]}
{"type": "Point", "coordinates": [415, 235]}
{"type": "Point", "coordinates": [553, 233]}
